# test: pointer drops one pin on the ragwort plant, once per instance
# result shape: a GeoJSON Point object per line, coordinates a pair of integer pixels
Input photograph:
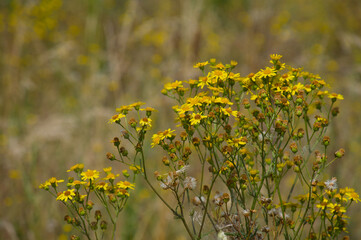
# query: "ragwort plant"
{"type": "Point", "coordinates": [86, 195]}
{"type": "Point", "coordinates": [248, 135]}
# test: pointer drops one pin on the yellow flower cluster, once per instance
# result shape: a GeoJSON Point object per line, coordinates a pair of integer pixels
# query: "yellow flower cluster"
{"type": "Point", "coordinates": [241, 129]}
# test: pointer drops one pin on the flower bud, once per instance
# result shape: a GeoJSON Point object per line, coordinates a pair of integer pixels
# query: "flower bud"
{"type": "Point", "coordinates": [335, 111]}
{"type": "Point", "coordinates": [340, 153]}
{"type": "Point", "coordinates": [245, 103]}
{"type": "Point", "coordinates": [125, 173]}
{"type": "Point", "coordinates": [205, 190]}
{"type": "Point", "coordinates": [68, 219]}
{"type": "Point", "coordinates": [81, 211]}
{"type": "Point", "coordinates": [326, 141]}
{"type": "Point", "coordinates": [94, 225]}
{"type": "Point", "coordinates": [110, 156]}
{"type": "Point", "coordinates": [196, 141]}
{"type": "Point", "coordinates": [89, 205]}
{"type": "Point", "coordinates": [225, 197]}
{"type": "Point", "coordinates": [103, 225]}
{"type": "Point", "coordinates": [133, 123]}
{"type": "Point", "coordinates": [293, 147]}
{"type": "Point", "coordinates": [98, 215]}
{"type": "Point", "coordinates": [125, 134]}
{"type": "Point", "coordinates": [166, 161]}
{"type": "Point", "coordinates": [300, 133]}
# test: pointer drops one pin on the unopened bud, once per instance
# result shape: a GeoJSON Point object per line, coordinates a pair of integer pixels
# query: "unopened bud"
{"type": "Point", "coordinates": [340, 153]}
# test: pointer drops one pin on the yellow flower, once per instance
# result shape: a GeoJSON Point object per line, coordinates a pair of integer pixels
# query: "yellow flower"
{"type": "Point", "coordinates": [237, 142]}
{"type": "Point", "coordinates": [287, 77]}
{"type": "Point", "coordinates": [195, 101]}
{"type": "Point", "coordinates": [217, 75]}
{"type": "Point", "coordinates": [111, 176]}
{"type": "Point", "coordinates": [216, 90]}
{"type": "Point", "coordinates": [201, 65]}
{"type": "Point", "coordinates": [184, 108]}
{"type": "Point", "coordinates": [202, 82]}
{"type": "Point", "coordinates": [352, 195]}
{"type": "Point", "coordinates": [335, 96]}
{"type": "Point", "coordinates": [54, 182]}
{"type": "Point", "coordinates": [275, 57]}
{"type": "Point", "coordinates": [254, 97]}
{"type": "Point", "coordinates": [197, 118]}
{"type": "Point", "coordinates": [45, 185]}
{"type": "Point", "coordinates": [223, 100]}
{"type": "Point", "coordinates": [173, 85]}
{"type": "Point", "coordinates": [236, 77]}
{"type": "Point", "coordinates": [228, 112]}
{"type": "Point", "coordinates": [323, 205]}
{"type": "Point", "coordinates": [219, 66]}
{"type": "Point", "coordinates": [122, 192]}
{"type": "Point", "coordinates": [116, 118]}
{"type": "Point", "coordinates": [336, 208]}
{"type": "Point", "coordinates": [125, 185]}
{"type": "Point", "coordinates": [124, 109]}
{"type": "Point", "coordinates": [136, 105]}
{"type": "Point", "coordinates": [77, 183]}
{"type": "Point", "coordinates": [76, 168]}
{"type": "Point", "coordinates": [206, 99]}
{"type": "Point", "coordinates": [268, 72]}
{"type": "Point", "coordinates": [102, 186]}
{"type": "Point", "coordinates": [192, 82]}
{"type": "Point", "coordinates": [107, 170]}
{"type": "Point", "coordinates": [136, 168]}
{"type": "Point", "coordinates": [146, 122]}
{"type": "Point", "coordinates": [148, 109]}
{"type": "Point", "coordinates": [64, 196]}
{"type": "Point", "coordinates": [90, 174]}
{"type": "Point", "coordinates": [156, 138]}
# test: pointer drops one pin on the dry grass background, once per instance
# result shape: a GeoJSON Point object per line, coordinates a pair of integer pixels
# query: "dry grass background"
{"type": "Point", "coordinates": [66, 65]}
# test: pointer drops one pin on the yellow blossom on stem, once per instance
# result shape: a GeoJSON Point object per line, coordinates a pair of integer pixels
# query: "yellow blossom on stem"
{"type": "Point", "coordinates": [122, 192]}
{"type": "Point", "coordinates": [45, 185]}
{"type": "Point", "coordinates": [54, 182]}
{"type": "Point", "coordinates": [223, 100]}
{"type": "Point", "coordinates": [136, 105]}
{"type": "Point", "coordinates": [336, 208]}
{"type": "Point", "coordinates": [64, 196]}
{"type": "Point", "coordinates": [111, 176]}
{"type": "Point", "coordinates": [76, 168]}
{"type": "Point", "coordinates": [156, 138]}
{"type": "Point", "coordinates": [123, 109]}
{"type": "Point", "coordinates": [146, 122]}
{"type": "Point", "coordinates": [116, 118]}
{"type": "Point", "coordinates": [201, 65]}
{"type": "Point", "coordinates": [323, 204]}
{"type": "Point", "coordinates": [184, 108]}
{"type": "Point", "coordinates": [228, 112]}
{"type": "Point", "coordinates": [352, 195]}
{"type": "Point", "coordinates": [136, 168]}
{"type": "Point", "coordinates": [102, 186]}
{"type": "Point", "coordinates": [275, 57]}
{"type": "Point", "coordinates": [125, 185]}
{"type": "Point", "coordinates": [196, 118]}
{"type": "Point", "coordinates": [90, 174]}
{"type": "Point", "coordinates": [173, 85]}
{"type": "Point", "coordinates": [268, 72]}
{"type": "Point", "coordinates": [335, 96]}
{"type": "Point", "coordinates": [77, 183]}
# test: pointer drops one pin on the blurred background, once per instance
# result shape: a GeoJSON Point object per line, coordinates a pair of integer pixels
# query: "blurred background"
{"type": "Point", "coordinates": [66, 65]}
